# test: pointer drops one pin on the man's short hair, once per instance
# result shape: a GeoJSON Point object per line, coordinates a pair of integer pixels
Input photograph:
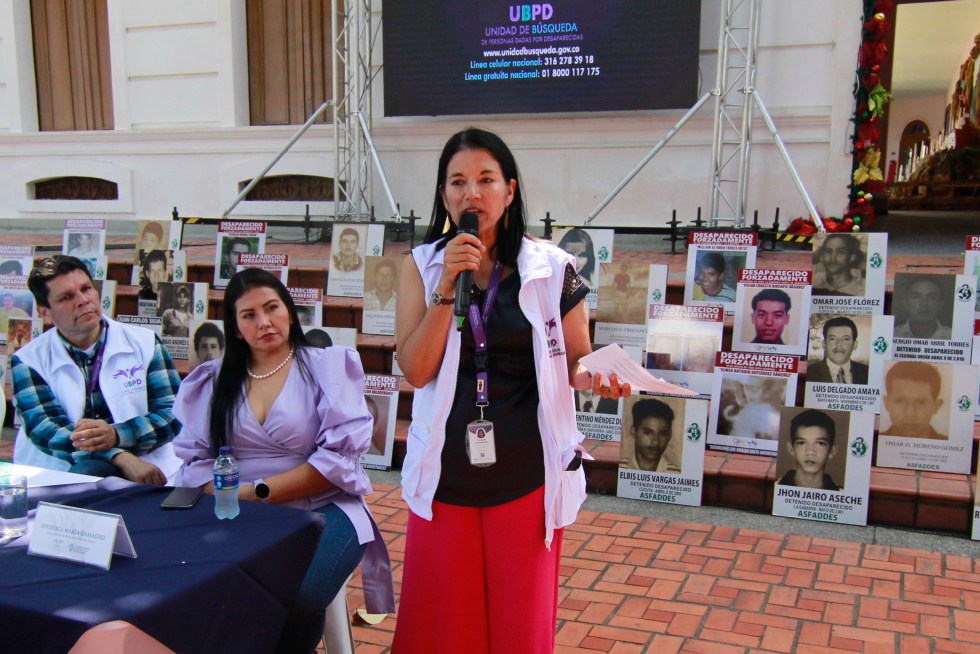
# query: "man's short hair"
{"type": "Point", "coordinates": [644, 409]}
{"type": "Point", "coordinates": [352, 232]}
{"type": "Point", "coordinates": [916, 371]}
{"type": "Point", "coordinates": [813, 418]}
{"type": "Point", "coordinates": [319, 338]}
{"type": "Point", "coordinates": [237, 240]}
{"type": "Point", "coordinates": [47, 269]}
{"type": "Point", "coordinates": [851, 242]}
{"type": "Point", "coordinates": [209, 330]}
{"type": "Point", "coordinates": [386, 263]}
{"type": "Point", "coordinates": [152, 256]}
{"type": "Point", "coordinates": [771, 295]}
{"type": "Point", "coordinates": [712, 260]}
{"type": "Point", "coordinates": [840, 321]}
{"type": "Point", "coordinates": [153, 228]}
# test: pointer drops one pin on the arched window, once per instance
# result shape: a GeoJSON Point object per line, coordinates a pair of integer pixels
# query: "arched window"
{"type": "Point", "coordinates": [915, 132]}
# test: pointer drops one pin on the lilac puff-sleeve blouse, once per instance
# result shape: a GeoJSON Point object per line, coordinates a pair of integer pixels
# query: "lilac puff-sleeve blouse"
{"type": "Point", "coordinates": [323, 421]}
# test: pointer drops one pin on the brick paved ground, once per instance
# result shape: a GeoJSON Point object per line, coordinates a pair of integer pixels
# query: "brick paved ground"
{"type": "Point", "coordinates": [634, 584]}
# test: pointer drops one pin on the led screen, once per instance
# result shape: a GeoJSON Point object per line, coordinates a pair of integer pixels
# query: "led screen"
{"type": "Point", "coordinates": [455, 57]}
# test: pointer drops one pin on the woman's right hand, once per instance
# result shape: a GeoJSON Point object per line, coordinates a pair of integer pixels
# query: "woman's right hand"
{"type": "Point", "coordinates": [463, 252]}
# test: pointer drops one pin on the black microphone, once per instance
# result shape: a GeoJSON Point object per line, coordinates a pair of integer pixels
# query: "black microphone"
{"type": "Point", "coordinates": [469, 223]}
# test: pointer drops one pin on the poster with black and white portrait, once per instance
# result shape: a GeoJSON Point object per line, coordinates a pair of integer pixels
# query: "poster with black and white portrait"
{"type": "Point", "coordinates": [823, 468]}
{"type": "Point", "coordinates": [662, 449]}
{"type": "Point", "coordinates": [590, 247]}
{"type": "Point", "coordinates": [845, 357]}
{"type": "Point", "coordinates": [927, 416]}
{"type": "Point", "coordinates": [934, 316]}
{"type": "Point", "coordinates": [350, 244]}
{"type": "Point", "coordinates": [849, 273]}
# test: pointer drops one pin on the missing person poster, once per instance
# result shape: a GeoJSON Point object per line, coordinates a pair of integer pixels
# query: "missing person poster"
{"type": "Point", "coordinates": [350, 244]}
{"type": "Point", "coordinates": [84, 237]}
{"type": "Point", "coordinates": [235, 238]}
{"type": "Point", "coordinates": [845, 357]}
{"type": "Point", "coordinates": [927, 416]}
{"type": "Point", "coordinates": [381, 396]}
{"type": "Point", "coordinates": [772, 308]}
{"type": "Point", "coordinates": [598, 417]}
{"type": "Point", "coordinates": [177, 305]}
{"type": "Point", "coordinates": [309, 305]}
{"type": "Point", "coordinates": [590, 247]}
{"type": "Point", "coordinates": [662, 449]}
{"type": "Point", "coordinates": [207, 342]}
{"type": "Point", "coordinates": [713, 262]}
{"type": "Point", "coordinates": [277, 264]}
{"type": "Point", "coordinates": [934, 317]}
{"type": "Point", "coordinates": [823, 468]}
{"type": "Point", "coordinates": [682, 342]}
{"type": "Point", "coordinates": [158, 235]}
{"type": "Point", "coordinates": [16, 300]}
{"type": "Point", "coordinates": [849, 273]}
{"type": "Point", "coordinates": [157, 267]}
{"type": "Point", "coordinates": [971, 266]}
{"type": "Point", "coordinates": [380, 295]}
{"type": "Point", "coordinates": [622, 314]}
{"type": "Point", "coordinates": [20, 332]}
{"type": "Point", "coordinates": [749, 391]}
{"type": "Point", "coordinates": [16, 259]}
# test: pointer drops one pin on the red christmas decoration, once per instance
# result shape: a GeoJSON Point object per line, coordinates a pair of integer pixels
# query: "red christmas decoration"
{"type": "Point", "coordinates": [802, 226]}
{"type": "Point", "coordinates": [885, 6]}
{"type": "Point", "coordinates": [867, 135]}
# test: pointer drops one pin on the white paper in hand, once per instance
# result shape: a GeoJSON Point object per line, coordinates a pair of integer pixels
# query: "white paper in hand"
{"type": "Point", "coordinates": [612, 359]}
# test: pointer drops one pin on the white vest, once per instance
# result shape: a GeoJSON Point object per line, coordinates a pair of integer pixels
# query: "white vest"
{"type": "Point", "coordinates": [128, 350]}
{"type": "Point", "coordinates": [542, 270]}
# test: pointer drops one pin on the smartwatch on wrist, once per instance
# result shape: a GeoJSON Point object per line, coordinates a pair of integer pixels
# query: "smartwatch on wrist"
{"type": "Point", "coordinates": [261, 490]}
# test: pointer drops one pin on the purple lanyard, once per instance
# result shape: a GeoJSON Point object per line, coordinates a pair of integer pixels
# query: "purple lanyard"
{"type": "Point", "coordinates": [93, 379]}
{"type": "Point", "coordinates": [478, 324]}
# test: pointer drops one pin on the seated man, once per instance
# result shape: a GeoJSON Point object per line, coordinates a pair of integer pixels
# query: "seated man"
{"type": "Point", "coordinates": [812, 442]}
{"type": "Point", "coordinates": [95, 396]}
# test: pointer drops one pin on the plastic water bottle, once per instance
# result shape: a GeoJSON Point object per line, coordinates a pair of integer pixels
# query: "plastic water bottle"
{"type": "Point", "coordinates": [225, 485]}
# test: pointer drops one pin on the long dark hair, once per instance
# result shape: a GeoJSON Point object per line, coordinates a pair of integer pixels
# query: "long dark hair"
{"type": "Point", "coordinates": [509, 238]}
{"type": "Point", "coordinates": [229, 389]}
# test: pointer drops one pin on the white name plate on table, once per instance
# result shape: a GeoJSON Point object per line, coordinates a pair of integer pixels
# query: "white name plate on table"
{"type": "Point", "coordinates": [79, 535]}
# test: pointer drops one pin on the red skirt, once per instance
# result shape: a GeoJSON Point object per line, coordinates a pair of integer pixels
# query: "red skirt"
{"type": "Point", "coordinates": [479, 580]}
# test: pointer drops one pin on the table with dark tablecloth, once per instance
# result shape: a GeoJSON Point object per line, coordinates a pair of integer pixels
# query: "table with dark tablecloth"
{"type": "Point", "coordinates": [198, 584]}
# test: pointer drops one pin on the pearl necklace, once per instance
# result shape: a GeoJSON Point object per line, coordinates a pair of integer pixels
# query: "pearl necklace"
{"type": "Point", "coordinates": [273, 371]}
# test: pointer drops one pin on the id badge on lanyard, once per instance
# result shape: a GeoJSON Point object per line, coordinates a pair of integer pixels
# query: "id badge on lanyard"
{"type": "Point", "coordinates": [480, 445]}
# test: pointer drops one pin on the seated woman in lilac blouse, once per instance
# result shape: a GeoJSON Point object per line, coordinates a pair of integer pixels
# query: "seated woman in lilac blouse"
{"type": "Point", "coordinates": [297, 422]}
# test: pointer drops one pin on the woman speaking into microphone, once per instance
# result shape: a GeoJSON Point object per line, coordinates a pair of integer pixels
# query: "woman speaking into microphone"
{"type": "Point", "coordinates": [493, 469]}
